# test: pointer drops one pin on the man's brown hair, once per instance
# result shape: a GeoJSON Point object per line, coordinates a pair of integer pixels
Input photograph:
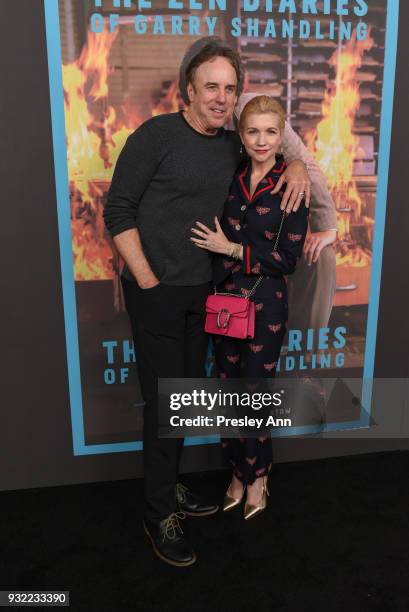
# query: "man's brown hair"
{"type": "Point", "coordinates": [204, 50]}
{"type": "Point", "coordinates": [208, 53]}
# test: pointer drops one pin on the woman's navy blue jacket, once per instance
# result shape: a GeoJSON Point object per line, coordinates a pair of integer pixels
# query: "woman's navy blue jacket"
{"type": "Point", "coordinates": [254, 223]}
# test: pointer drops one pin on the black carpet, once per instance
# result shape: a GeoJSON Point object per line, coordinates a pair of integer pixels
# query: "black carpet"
{"type": "Point", "coordinates": [335, 537]}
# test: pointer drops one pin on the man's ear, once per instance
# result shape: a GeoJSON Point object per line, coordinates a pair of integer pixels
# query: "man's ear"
{"type": "Point", "coordinates": [190, 90]}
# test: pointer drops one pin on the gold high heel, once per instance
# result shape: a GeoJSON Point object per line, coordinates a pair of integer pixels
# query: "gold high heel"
{"type": "Point", "coordinates": [249, 510]}
{"type": "Point", "coordinates": [231, 502]}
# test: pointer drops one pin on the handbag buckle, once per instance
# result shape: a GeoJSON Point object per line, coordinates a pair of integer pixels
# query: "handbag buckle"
{"type": "Point", "coordinates": [225, 323]}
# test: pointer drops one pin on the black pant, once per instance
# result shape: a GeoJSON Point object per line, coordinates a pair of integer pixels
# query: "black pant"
{"type": "Point", "coordinates": [168, 331]}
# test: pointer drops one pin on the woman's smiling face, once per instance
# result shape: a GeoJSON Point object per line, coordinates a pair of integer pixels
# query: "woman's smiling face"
{"type": "Point", "coordinates": [261, 136]}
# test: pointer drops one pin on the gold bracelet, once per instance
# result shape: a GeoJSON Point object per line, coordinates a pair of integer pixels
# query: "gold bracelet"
{"type": "Point", "coordinates": [235, 252]}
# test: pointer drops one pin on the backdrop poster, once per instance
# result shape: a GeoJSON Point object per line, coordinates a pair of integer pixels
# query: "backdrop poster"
{"type": "Point", "coordinates": [113, 64]}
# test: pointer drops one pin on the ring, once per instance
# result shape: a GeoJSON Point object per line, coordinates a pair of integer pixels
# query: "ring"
{"type": "Point", "coordinates": [302, 193]}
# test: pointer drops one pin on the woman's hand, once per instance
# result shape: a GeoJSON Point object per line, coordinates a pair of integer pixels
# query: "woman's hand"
{"type": "Point", "coordinates": [216, 242]}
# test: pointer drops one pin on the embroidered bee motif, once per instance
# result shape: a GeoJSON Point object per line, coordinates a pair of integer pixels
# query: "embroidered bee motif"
{"type": "Point", "coordinates": [276, 256]}
{"type": "Point", "coordinates": [259, 306]}
{"type": "Point", "coordinates": [245, 292]}
{"type": "Point", "coordinates": [256, 268]}
{"type": "Point", "coordinates": [232, 221]}
{"type": "Point", "coordinates": [270, 366]}
{"type": "Point", "coordinates": [270, 235]}
{"type": "Point", "coordinates": [262, 210]}
{"type": "Point", "coordinates": [294, 237]}
{"type": "Point", "coordinates": [275, 328]}
{"type": "Point", "coordinates": [256, 348]}
{"type": "Point", "coordinates": [233, 358]}
{"type": "Point", "coordinates": [279, 295]}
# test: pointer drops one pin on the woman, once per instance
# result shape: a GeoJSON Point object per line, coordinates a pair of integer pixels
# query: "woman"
{"type": "Point", "coordinates": [244, 241]}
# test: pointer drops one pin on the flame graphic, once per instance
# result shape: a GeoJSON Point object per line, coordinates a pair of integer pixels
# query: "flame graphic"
{"type": "Point", "coordinates": [335, 145]}
{"type": "Point", "coordinates": [95, 137]}
{"type": "Point", "coordinates": [96, 133]}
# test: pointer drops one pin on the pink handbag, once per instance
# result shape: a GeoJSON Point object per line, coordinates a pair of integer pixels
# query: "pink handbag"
{"type": "Point", "coordinates": [233, 315]}
{"type": "Point", "coordinates": [230, 315]}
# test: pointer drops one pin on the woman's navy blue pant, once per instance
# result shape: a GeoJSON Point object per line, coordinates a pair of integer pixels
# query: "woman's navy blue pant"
{"type": "Point", "coordinates": [254, 358]}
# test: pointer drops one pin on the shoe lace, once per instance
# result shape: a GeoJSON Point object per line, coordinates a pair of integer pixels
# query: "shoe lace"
{"type": "Point", "coordinates": [181, 491]}
{"type": "Point", "coordinates": [171, 525]}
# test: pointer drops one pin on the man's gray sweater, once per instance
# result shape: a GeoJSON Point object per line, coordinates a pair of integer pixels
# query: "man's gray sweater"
{"type": "Point", "coordinates": [168, 176]}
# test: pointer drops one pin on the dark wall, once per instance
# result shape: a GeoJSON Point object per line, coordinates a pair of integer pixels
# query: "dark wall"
{"type": "Point", "coordinates": [35, 435]}
{"type": "Point", "coordinates": [392, 357]}
{"type": "Point", "coordinates": [392, 348]}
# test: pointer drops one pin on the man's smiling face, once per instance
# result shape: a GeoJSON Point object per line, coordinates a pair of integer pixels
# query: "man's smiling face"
{"type": "Point", "coordinates": [213, 94]}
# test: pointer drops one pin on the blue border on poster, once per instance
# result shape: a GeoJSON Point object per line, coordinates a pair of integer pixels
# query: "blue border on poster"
{"type": "Point", "coordinates": [64, 229]}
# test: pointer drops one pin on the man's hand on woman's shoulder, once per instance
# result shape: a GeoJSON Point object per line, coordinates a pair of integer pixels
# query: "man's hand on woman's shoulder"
{"type": "Point", "coordinates": [298, 186]}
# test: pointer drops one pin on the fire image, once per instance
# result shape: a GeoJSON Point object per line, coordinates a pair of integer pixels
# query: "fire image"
{"type": "Point", "coordinates": [96, 133]}
{"type": "Point", "coordinates": [335, 147]}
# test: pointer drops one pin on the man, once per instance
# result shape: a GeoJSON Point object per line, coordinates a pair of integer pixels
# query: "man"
{"type": "Point", "coordinates": [173, 170]}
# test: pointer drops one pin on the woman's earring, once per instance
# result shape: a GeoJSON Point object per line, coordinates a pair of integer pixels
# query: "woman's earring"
{"type": "Point", "coordinates": [241, 149]}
